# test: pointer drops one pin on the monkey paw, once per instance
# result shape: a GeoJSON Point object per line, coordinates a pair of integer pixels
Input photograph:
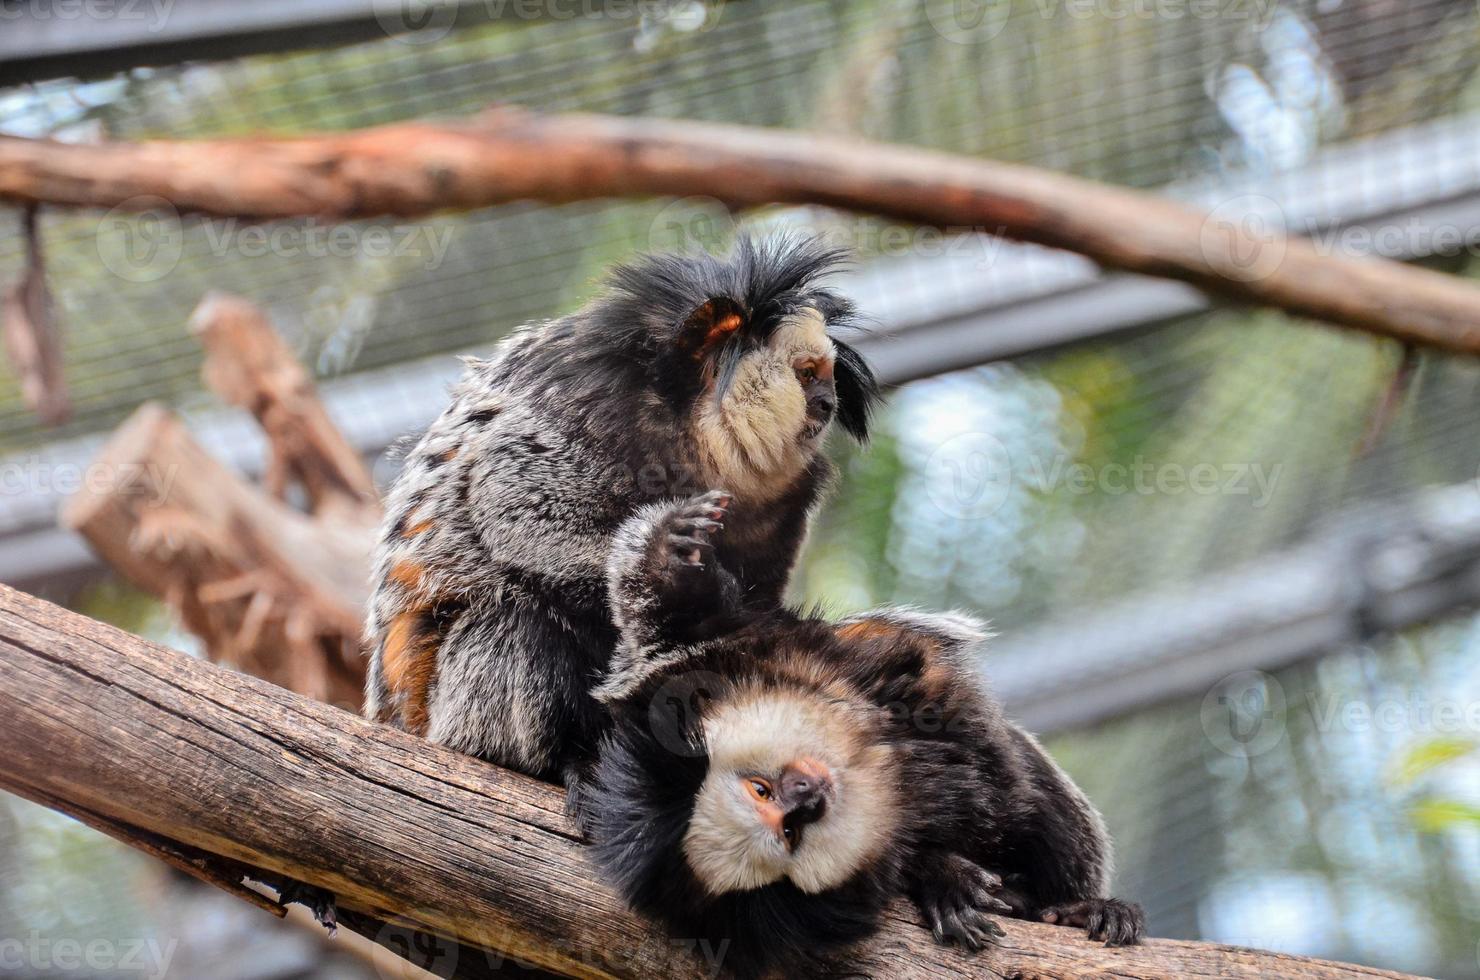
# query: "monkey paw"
{"type": "Point", "coordinates": [957, 898]}
{"type": "Point", "coordinates": [685, 535]}
{"type": "Point", "coordinates": [1117, 923]}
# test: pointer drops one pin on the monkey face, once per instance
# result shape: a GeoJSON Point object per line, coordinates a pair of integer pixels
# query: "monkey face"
{"type": "Point", "coordinates": [767, 405]}
{"type": "Point", "coordinates": [744, 351]}
{"type": "Point", "coordinates": [798, 788]}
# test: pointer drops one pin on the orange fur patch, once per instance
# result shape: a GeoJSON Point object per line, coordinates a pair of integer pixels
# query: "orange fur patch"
{"type": "Point", "coordinates": [418, 528]}
{"type": "Point", "coordinates": [868, 629]}
{"type": "Point", "coordinates": [406, 574]}
{"type": "Point", "coordinates": [719, 331]}
{"type": "Point", "coordinates": [408, 660]}
{"type": "Point", "coordinates": [408, 657]}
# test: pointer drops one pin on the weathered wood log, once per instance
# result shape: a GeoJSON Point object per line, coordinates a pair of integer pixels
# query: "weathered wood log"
{"type": "Point", "coordinates": [268, 589]}
{"type": "Point", "coordinates": [221, 763]}
{"type": "Point", "coordinates": [412, 169]}
{"type": "Point", "coordinates": [248, 365]}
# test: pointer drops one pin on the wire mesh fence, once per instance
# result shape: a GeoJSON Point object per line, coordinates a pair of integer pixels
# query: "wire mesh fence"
{"type": "Point", "coordinates": [1034, 491]}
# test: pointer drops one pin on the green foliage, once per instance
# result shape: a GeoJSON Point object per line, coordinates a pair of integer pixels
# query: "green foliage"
{"type": "Point", "coordinates": [1433, 816]}
{"type": "Point", "coordinates": [1427, 756]}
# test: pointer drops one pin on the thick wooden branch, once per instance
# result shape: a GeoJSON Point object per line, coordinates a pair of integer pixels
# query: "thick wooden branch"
{"type": "Point", "coordinates": [414, 169]}
{"type": "Point", "coordinates": [218, 763]}
{"type": "Point", "coordinates": [269, 590]}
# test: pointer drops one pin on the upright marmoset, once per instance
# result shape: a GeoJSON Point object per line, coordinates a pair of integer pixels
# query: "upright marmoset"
{"type": "Point", "coordinates": [770, 781]}
{"type": "Point", "coordinates": [489, 618]}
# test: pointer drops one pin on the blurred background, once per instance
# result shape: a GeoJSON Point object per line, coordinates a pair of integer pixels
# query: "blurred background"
{"type": "Point", "coordinates": [1233, 558]}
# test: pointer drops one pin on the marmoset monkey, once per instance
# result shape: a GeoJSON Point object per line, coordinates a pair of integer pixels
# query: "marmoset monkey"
{"type": "Point", "coordinates": [771, 781]}
{"type": "Point", "coordinates": [489, 619]}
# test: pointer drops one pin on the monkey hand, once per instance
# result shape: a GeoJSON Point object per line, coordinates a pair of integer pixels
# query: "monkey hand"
{"type": "Point", "coordinates": [683, 537]}
{"type": "Point", "coordinates": [957, 898]}
{"type": "Point", "coordinates": [665, 585]}
{"type": "Point", "coordinates": [1117, 923]}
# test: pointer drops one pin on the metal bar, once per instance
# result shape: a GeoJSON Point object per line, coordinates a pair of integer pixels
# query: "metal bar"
{"type": "Point", "coordinates": [45, 39]}
{"type": "Point", "coordinates": [1376, 570]}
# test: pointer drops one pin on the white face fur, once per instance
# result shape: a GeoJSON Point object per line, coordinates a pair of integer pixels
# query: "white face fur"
{"type": "Point", "coordinates": [752, 441]}
{"type": "Point", "coordinates": [729, 848]}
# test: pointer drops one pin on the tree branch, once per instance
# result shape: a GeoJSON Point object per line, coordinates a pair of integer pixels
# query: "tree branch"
{"type": "Point", "coordinates": [250, 366]}
{"type": "Point", "coordinates": [507, 154]}
{"type": "Point", "coordinates": [220, 764]}
{"type": "Point", "coordinates": [269, 589]}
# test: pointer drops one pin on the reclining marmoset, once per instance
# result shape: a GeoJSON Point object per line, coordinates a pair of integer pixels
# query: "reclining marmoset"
{"type": "Point", "coordinates": [489, 618]}
{"type": "Point", "coordinates": [771, 781]}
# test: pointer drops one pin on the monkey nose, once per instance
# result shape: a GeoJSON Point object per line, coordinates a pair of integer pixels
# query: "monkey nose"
{"type": "Point", "coordinates": [821, 405]}
{"type": "Point", "coordinates": [805, 788]}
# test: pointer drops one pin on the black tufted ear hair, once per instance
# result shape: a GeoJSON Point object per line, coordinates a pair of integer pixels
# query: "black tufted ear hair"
{"type": "Point", "coordinates": [858, 390]}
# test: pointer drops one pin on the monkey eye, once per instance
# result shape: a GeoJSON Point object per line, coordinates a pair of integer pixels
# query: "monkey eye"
{"type": "Point", "coordinates": [760, 789]}
{"type": "Point", "coordinates": [793, 836]}
{"type": "Point", "coordinates": [807, 373]}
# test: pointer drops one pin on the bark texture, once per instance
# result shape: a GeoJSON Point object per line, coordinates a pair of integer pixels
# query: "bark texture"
{"type": "Point", "coordinates": [245, 777]}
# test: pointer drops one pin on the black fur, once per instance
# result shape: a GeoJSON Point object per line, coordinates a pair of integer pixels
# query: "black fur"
{"type": "Point", "coordinates": [990, 824]}
{"type": "Point", "coordinates": [507, 508]}
{"type": "Point", "coordinates": [636, 808]}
